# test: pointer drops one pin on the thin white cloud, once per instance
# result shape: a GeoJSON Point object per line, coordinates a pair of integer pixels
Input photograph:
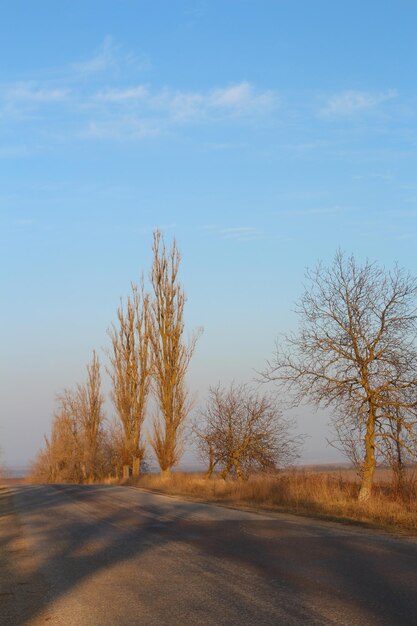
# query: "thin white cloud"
{"type": "Point", "coordinates": [30, 93]}
{"type": "Point", "coordinates": [242, 97]}
{"type": "Point", "coordinates": [102, 60]}
{"type": "Point", "coordinates": [123, 95]}
{"type": "Point", "coordinates": [108, 106]}
{"type": "Point", "coordinates": [24, 222]}
{"type": "Point", "coordinates": [241, 233]}
{"type": "Point", "coordinates": [238, 233]}
{"type": "Point", "coordinates": [349, 102]}
{"type": "Point", "coordinates": [11, 152]}
{"type": "Point", "coordinates": [375, 176]}
{"type": "Point", "coordinates": [125, 128]}
{"type": "Point", "coordinates": [311, 212]}
{"type": "Point", "coordinates": [142, 111]}
{"type": "Point", "coordinates": [239, 99]}
{"type": "Point", "coordinates": [108, 57]}
{"type": "Point", "coordinates": [405, 236]}
{"type": "Point", "coordinates": [179, 105]}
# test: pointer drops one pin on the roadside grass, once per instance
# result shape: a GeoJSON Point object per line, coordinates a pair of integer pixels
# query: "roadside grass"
{"type": "Point", "coordinates": [328, 495]}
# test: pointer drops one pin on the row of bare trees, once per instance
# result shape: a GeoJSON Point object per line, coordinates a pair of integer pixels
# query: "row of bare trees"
{"type": "Point", "coordinates": [76, 449]}
{"type": "Point", "coordinates": [355, 351]}
{"type": "Point", "coordinates": [147, 353]}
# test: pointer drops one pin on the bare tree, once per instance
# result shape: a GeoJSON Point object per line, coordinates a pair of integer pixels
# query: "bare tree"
{"type": "Point", "coordinates": [87, 407]}
{"type": "Point", "coordinates": [170, 355]}
{"type": "Point", "coordinates": [115, 448]}
{"type": "Point", "coordinates": [355, 348]}
{"type": "Point", "coordinates": [130, 372]}
{"type": "Point", "coordinates": [349, 431]}
{"type": "Point", "coordinates": [398, 442]}
{"type": "Point", "coordinates": [74, 451]}
{"type": "Point", "coordinates": [243, 432]}
{"type": "Point", "coordinates": [62, 458]}
{"type": "Point", "coordinates": [395, 438]}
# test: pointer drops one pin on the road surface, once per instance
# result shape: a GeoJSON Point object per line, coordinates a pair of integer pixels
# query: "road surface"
{"type": "Point", "coordinates": [115, 556]}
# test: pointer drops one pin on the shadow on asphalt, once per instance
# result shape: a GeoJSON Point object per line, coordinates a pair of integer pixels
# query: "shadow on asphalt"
{"type": "Point", "coordinates": [303, 570]}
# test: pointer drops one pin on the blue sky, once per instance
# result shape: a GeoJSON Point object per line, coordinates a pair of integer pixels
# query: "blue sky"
{"type": "Point", "coordinates": [261, 134]}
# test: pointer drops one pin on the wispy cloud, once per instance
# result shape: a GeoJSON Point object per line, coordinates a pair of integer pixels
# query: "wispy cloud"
{"type": "Point", "coordinates": [239, 99]}
{"type": "Point", "coordinates": [99, 101]}
{"type": "Point", "coordinates": [19, 100]}
{"type": "Point", "coordinates": [347, 103]}
{"type": "Point", "coordinates": [109, 56]}
{"type": "Point", "coordinates": [123, 95]}
{"type": "Point", "coordinates": [405, 236]}
{"type": "Point", "coordinates": [243, 98]}
{"type": "Point", "coordinates": [119, 129]}
{"type": "Point", "coordinates": [374, 176]}
{"type": "Point", "coordinates": [30, 92]}
{"type": "Point", "coordinates": [103, 60]}
{"type": "Point", "coordinates": [24, 221]}
{"type": "Point", "coordinates": [241, 233]}
{"type": "Point", "coordinates": [139, 111]}
{"type": "Point", "coordinates": [310, 212]}
{"type": "Point", "coordinates": [11, 152]}
{"type": "Point", "coordinates": [136, 111]}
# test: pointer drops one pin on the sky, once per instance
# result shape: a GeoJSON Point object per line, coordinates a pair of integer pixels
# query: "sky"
{"type": "Point", "coordinates": [262, 135]}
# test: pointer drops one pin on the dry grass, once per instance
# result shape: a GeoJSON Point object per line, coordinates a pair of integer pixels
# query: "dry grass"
{"type": "Point", "coordinates": [331, 495]}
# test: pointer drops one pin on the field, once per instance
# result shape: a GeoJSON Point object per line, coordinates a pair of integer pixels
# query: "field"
{"type": "Point", "coordinates": [318, 493]}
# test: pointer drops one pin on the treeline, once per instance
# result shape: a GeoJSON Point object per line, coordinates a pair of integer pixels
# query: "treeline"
{"type": "Point", "coordinates": [355, 352]}
{"type": "Point", "coordinates": [147, 353]}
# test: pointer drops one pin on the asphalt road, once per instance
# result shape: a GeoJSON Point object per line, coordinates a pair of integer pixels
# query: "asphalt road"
{"type": "Point", "coordinates": [117, 556]}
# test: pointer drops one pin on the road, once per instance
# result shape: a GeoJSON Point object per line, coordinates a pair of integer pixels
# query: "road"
{"type": "Point", "coordinates": [102, 555]}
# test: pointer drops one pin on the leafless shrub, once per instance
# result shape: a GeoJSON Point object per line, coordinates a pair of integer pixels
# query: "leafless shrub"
{"type": "Point", "coordinates": [244, 432]}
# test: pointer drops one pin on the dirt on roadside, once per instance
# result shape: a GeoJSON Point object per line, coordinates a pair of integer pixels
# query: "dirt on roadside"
{"type": "Point", "coordinates": [22, 589]}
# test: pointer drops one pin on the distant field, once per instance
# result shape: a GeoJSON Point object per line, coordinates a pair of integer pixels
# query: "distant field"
{"type": "Point", "coordinates": [8, 481]}
{"type": "Point", "coordinates": [13, 476]}
{"type": "Point", "coordinates": [382, 474]}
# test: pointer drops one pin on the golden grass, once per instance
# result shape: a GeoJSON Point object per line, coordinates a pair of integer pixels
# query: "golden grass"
{"type": "Point", "coordinates": [331, 495]}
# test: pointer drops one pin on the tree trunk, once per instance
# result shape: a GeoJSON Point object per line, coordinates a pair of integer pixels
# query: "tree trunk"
{"type": "Point", "coordinates": [398, 465]}
{"type": "Point", "coordinates": [166, 473]}
{"type": "Point", "coordinates": [136, 466]}
{"type": "Point", "coordinates": [226, 471]}
{"type": "Point", "coordinates": [211, 463]}
{"type": "Point", "coordinates": [238, 470]}
{"type": "Point", "coordinates": [370, 461]}
{"type": "Point", "coordinates": [126, 469]}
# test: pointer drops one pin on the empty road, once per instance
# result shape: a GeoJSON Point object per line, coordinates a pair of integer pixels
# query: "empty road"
{"type": "Point", "coordinates": [102, 555]}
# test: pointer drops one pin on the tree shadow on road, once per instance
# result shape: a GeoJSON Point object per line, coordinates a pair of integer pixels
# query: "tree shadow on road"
{"type": "Point", "coordinates": [164, 566]}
